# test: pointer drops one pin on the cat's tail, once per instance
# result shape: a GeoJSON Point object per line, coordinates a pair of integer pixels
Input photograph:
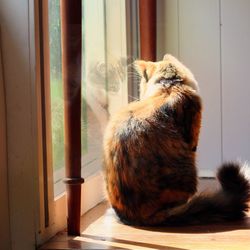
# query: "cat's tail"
{"type": "Point", "coordinates": [230, 202]}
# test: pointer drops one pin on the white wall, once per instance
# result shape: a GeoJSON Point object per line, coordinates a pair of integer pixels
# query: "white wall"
{"type": "Point", "coordinates": [204, 34]}
{"type": "Point", "coordinates": [235, 41]}
{"type": "Point", "coordinates": [17, 43]}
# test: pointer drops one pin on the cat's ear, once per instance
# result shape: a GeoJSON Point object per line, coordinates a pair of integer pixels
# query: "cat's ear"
{"type": "Point", "coordinates": [140, 66]}
{"type": "Point", "coordinates": [169, 57]}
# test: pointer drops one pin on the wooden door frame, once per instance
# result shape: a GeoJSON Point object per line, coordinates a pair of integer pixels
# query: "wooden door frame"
{"type": "Point", "coordinates": [4, 200]}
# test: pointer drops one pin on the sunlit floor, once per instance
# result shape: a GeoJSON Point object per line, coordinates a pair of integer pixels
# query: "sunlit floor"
{"type": "Point", "coordinates": [101, 230]}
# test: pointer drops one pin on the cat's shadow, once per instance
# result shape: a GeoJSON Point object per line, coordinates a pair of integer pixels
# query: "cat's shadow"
{"type": "Point", "coordinates": [203, 229]}
{"type": "Point", "coordinates": [243, 224]}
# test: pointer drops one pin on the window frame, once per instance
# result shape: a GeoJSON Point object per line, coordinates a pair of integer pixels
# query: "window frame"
{"type": "Point", "coordinates": [93, 188]}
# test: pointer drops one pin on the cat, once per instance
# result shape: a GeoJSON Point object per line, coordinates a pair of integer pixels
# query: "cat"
{"type": "Point", "coordinates": [150, 151]}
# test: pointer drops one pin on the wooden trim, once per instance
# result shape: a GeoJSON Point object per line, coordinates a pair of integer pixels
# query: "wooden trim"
{"type": "Point", "coordinates": [44, 111]}
{"type": "Point", "coordinates": [147, 14]}
{"type": "Point", "coordinates": [4, 210]}
{"type": "Point", "coordinates": [71, 25]}
{"type": "Point", "coordinates": [41, 224]}
{"type": "Point", "coordinates": [46, 108]}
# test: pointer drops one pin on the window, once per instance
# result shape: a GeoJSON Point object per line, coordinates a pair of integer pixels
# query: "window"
{"type": "Point", "coordinates": [106, 86]}
{"type": "Point", "coordinates": [104, 80]}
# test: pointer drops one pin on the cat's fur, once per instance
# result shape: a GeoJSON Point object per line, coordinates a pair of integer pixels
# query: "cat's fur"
{"type": "Point", "coordinates": [149, 155]}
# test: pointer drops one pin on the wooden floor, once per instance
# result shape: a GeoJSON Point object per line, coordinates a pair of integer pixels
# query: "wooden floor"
{"type": "Point", "coordinates": [102, 230]}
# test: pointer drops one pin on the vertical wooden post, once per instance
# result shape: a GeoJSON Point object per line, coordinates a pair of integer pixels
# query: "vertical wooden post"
{"type": "Point", "coordinates": [147, 14]}
{"type": "Point", "coordinates": [71, 18]}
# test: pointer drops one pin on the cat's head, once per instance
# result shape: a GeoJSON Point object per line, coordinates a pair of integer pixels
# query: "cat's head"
{"type": "Point", "coordinates": [163, 74]}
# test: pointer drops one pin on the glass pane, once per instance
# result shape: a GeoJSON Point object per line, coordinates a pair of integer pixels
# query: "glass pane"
{"type": "Point", "coordinates": [104, 85]}
{"type": "Point", "coordinates": [56, 88]}
{"type": "Point", "coordinates": [94, 83]}
{"type": "Point", "coordinates": [104, 80]}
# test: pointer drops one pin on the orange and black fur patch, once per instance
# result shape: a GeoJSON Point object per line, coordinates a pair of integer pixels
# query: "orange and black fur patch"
{"type": "Point", "coordinates": [150, 149]}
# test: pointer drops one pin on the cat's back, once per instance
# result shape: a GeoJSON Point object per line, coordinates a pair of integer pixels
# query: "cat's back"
{"type": "Point", "coordinates": [146, 123]}
{"type": "Point", "coordinates": [131, 123]}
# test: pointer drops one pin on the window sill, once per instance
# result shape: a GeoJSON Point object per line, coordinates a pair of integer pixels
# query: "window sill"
{"type": "Point", "coordinates": [92, 194]}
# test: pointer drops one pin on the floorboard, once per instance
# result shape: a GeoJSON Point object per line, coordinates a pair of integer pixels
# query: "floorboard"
{"type": "Point", "coordinates": [101, 230]}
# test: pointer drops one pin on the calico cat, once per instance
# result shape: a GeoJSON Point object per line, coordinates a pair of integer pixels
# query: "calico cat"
{"type": "Point", "coordinates": [150, 150]}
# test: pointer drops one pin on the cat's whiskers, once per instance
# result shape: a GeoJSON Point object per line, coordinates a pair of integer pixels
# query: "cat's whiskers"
{"type": "Point", "coordinates": [134, 98]}
{"type": "Point", "coordinates": [133, 71]}
{"type": "Point", "coordinates": [134, 77]}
